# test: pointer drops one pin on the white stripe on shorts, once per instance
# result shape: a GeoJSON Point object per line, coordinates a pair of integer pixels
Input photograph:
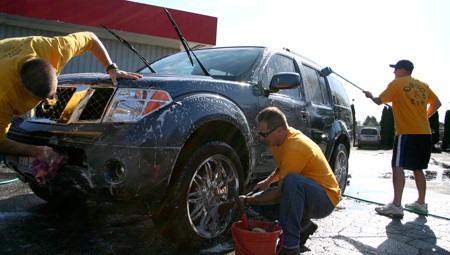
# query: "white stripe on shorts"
{"type": "Point", "coordinates": [399, 151]}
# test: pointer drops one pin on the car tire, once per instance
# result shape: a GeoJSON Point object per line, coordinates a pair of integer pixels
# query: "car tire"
{"type": "Point", "coordinates": [189, 213]}
{"type": "Point", "coordinates": [339, 164]}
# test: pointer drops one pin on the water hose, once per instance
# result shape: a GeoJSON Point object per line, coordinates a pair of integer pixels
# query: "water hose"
{"type": "Point", "coordinates": [9, 181]}
{"type": "Point", "coordinates": [406, 209]}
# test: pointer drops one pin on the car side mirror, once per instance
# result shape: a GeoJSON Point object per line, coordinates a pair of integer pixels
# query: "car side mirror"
{"type": "Point", "coordinates": [285, 81]}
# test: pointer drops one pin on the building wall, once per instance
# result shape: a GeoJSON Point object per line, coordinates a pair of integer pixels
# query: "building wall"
{"type": "Point", "coordinates": [146, 27]}
{"type": "Point", "coordinates": [120, 54]}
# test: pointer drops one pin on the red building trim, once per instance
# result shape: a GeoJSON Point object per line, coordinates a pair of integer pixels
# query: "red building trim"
{"type": "Point", "coordinates": [119, 15]}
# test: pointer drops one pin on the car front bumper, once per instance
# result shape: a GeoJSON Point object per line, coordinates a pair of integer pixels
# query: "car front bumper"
{"type": "Point", "coordinates": [105, 171]}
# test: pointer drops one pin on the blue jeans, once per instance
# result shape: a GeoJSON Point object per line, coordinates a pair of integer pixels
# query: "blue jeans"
{"type": "Point", "coordinates": [302, 199]}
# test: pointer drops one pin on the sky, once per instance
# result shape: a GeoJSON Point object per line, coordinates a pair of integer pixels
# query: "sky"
{"type": "Point", "coordinates": [357, 39]}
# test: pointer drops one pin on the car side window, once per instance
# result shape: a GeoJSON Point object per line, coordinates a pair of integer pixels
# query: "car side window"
{"type": "Point", "coordinates": [277, 64]}
{"type": "Point", "coordinates": [315, 87]}
{"type": "Point", "coordinates": [338, 93]}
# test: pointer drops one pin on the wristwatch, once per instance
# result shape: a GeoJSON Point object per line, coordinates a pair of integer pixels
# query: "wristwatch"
{"type": "Point", "coordinates": [112, 66]}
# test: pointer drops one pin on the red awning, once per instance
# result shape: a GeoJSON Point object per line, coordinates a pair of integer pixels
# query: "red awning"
{"type": "Point", "coordinates": [119, 15]}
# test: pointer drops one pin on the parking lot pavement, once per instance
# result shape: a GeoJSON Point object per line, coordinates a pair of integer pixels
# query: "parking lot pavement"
{"type": "Point", "coordinates": [355, 228]}
{"type": "Point", "coordinates": [442, 159]}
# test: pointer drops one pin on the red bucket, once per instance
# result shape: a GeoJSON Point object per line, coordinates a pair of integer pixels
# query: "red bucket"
{"type": "Point", "coordinates": [256, 243]}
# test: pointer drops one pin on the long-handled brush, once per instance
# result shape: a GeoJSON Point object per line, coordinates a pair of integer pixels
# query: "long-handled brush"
{"type": "Point", "coordinates": [327, 71]}
{"type": "Point", "coordinates": [245, 222]}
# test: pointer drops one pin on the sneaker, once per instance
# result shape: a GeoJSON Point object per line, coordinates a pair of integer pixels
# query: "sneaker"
{"type": "Point", "coordinates": [390, 210]}
{"type": "Point", "coordinates": [417, 207]}
{"type": "Point", "coordinates": [284, 251]}
{"type": "Point", "coordinates": [307, 230]}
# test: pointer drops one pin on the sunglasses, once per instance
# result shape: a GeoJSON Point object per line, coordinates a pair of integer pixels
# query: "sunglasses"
{"type": "Point", "coordinates": [266, 134]}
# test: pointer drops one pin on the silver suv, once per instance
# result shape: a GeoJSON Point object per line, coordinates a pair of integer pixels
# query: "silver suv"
{"type": "Point", "coordinates": [369, 137]}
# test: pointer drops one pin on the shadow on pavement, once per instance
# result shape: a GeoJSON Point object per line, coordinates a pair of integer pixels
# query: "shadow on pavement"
{"type": "Point", "coordinates": [413, 237]}
{"type": "Point", "coordinates": [35, 227]}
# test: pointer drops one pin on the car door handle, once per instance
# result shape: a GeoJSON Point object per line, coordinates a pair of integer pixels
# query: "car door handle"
{"type": "Point", "coordinates": [304, 114]}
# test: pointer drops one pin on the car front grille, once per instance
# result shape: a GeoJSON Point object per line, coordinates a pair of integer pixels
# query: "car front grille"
{"type": "Point", "coordinates": [74, 104]}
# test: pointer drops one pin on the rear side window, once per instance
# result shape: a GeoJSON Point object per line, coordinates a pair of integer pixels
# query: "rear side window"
{"type": "Point", "coordinates": [369, 132]}
{"type": "Point", "coordinates": [338, 94]}
{"type": "Point", "coordinates": [315, 87]}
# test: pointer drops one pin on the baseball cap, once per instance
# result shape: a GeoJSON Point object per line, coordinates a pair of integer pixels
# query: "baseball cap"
{"type": "Point", "coordinates": [406, 64]}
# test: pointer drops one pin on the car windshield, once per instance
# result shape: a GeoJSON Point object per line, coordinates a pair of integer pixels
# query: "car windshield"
{"type": "Point", "coordinates": [369, 132]}
{"type": "Point", "coordinates": [232, 64]}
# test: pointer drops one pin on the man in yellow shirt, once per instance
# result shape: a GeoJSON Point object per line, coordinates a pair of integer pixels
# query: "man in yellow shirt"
{"type": "Point", "coordinates": [301, 188]}
{"type": "Point", "coordinates": [412, 146]}
{"type": "Point", "coordinates": [29, 67]}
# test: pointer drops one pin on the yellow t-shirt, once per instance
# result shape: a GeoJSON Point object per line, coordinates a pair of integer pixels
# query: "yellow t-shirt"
{"type": "Point", "coordinates": [410, 98]}
{"type": "Point", "coordinates": [14, 52]}
{"type": "Point", "coordinates": [300, 155]}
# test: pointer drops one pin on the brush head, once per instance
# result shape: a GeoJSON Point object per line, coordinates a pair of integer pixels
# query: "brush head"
{"type": "Point", "coordinates": [327, 71]}
{"type": "Point", "coordinates": [224, 208]}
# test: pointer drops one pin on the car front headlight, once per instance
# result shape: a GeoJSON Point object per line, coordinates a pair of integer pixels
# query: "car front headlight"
{"type": "Point", "coordinates": [131, 105]}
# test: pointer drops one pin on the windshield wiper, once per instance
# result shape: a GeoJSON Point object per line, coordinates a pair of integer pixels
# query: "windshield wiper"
{"type": "Point", "coordinates": [186, 45]}
{"type": "Point", "coordinates": [130, 47]}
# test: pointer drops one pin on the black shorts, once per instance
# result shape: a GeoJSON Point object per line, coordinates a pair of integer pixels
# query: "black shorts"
{"type": "Point", "coordinates": [412, 152]}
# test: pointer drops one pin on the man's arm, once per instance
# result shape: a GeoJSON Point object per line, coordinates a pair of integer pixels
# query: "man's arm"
{"type": "Point", "coordinates": [264, 184]}
{"type": "Point", "coordinates": [432, 109]}
{"type": "Point", "coordinates": [11, 147]}
{"type": "Point", "coordinates": [101, 54]}
{"type": "Point", "coordinates": [265, 198]}
{"type": "Point", "coordinates": [376, 100]}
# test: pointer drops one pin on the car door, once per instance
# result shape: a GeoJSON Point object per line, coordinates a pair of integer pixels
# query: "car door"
{"type": "Point", "coordinates": [318, 105]}
{"type": "Point", "coordinates": [341, 104]}
{"type": "Point", "coordinates": [290, 101]}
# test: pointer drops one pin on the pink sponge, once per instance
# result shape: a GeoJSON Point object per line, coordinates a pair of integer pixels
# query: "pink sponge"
{"type": "Point", "coordinates": [44, 171]}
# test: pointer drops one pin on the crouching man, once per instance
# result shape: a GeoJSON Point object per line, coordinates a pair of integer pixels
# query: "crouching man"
{"type": "Point", "coordinates": [301, 188]}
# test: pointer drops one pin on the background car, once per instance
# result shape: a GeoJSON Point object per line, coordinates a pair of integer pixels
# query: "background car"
{"type": "Point", "coordinates": [369, 137]}
{"type": "Point", "coordinates": [182, 137]}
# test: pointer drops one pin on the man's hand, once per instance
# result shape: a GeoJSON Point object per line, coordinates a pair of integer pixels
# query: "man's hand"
{"type": "Point", "coordinates": [43, 153]}
{"type": "Point", "coordinates": [102, 55]}
{"type": "Point", "coordinates": [46, 154]}
{"type": "Point", "coordinates": [117, 73]}
{"type": "Point", "coordinates": [242, 200]}
{"type": "Point", "coordinates": [368, 94]}
{"type": "Point", "coordinates": [376, 100]}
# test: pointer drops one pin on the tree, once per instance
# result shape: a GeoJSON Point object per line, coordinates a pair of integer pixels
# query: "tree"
{"type": "Point", "coordinates": [434, 125]}
{"type": "Point", "coordinates": [446, 138]}
{"type": "Point", "coordinates": [387, 124]}
{"type": "Point", "coordinates": [370, 121]}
